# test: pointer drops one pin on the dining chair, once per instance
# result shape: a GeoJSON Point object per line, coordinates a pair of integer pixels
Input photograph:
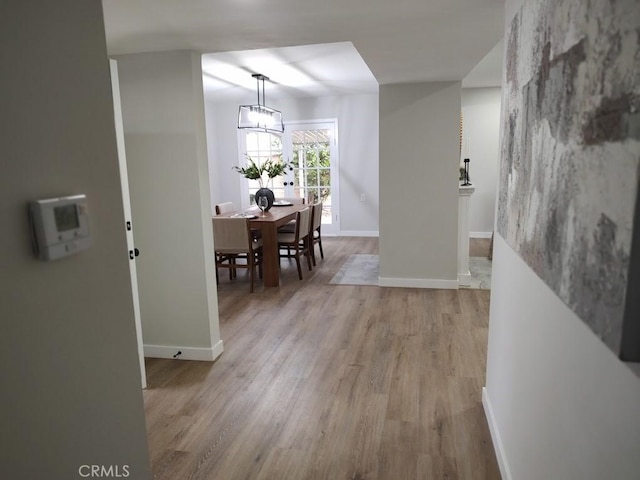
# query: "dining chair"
{"type": "Point", "coordinates": [233, 241]}
{"type": "Point", "coordinates": [293, 200]}
{"type": "Point", "coordinates": [226, 207]}
{"type": "Point", "coordinates": [289, 227]}
{"type": "Point", "coordinates": [296, 243]}
{"type": "Point", "coordinates": [315, 235]}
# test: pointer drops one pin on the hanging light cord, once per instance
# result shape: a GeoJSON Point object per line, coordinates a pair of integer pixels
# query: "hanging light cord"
{"type": "Point", "coordinates": [259, 77]}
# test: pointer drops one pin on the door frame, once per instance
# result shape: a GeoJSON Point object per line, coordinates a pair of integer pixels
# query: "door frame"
{"type": "Point", "coordinates": [126, 221]}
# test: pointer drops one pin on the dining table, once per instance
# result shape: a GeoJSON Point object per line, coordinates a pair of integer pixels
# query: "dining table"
{"type": "Point", "coordinates": [268, 223]}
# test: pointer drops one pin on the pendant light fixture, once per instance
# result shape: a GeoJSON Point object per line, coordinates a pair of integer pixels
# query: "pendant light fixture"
{"type": "Point", "coordinates": [260, 117]}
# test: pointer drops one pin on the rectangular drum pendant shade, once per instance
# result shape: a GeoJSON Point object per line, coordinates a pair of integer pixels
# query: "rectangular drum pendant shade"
{"type": "Point", "coordinates": [259, 116]}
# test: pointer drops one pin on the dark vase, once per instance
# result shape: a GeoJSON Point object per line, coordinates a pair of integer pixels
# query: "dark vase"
{"type": "Point", "coordinates": [268, 193]}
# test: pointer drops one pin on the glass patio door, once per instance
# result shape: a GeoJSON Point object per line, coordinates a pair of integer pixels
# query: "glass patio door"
{"type": "Point", "coordinates": [311, 149]}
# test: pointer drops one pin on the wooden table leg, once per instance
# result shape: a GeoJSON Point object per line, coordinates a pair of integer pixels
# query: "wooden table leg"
{"type": "Point", "coordinates": [270, 261]}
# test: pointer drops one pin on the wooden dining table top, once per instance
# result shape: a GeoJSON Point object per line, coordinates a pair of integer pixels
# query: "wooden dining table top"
{"type": "Point", "coordinates": [268, 224]}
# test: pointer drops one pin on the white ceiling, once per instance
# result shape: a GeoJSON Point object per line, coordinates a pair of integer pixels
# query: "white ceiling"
{"type": "Point", "coordinates": [303, 71]}
{"type": "Point", "coordinates": [312, 48]}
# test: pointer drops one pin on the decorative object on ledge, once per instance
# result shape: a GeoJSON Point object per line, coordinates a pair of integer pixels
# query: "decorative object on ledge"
{"type": "Point", "coordinates": [465, 174]}
{"type": "Point", "coordinates": [259, 116]}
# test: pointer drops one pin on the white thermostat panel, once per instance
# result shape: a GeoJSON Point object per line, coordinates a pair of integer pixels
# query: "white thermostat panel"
{"type": "Point", "coordinates": [60, 226]}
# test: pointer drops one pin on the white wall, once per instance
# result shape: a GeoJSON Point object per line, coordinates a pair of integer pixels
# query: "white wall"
{"type": "Point", "coordinates": [563, 405]}
{"type": "Point", "coordinates": [560, 404]}
{"type": "Point", "coordinates": [481, 126]}
{"type": "Point", "coordinates": [163, 114]}
{"type": "Point", "coordinates": [70, 379]}
{"type": "Point", "coordinates": [358, 151]}
{"type": "Point", "coordinates": [419, 146]}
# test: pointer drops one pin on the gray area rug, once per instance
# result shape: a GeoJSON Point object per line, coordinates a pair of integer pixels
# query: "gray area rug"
{"type": "Point", "coordinates": [358, 269]}
{"type": "Point", "coordinates": [361, 269]}
{"type": "Point", "coordinates": [480, 268]}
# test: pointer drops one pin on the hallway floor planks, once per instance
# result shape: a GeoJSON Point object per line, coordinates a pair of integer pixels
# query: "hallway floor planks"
{"type": "Point", "coordinates": [323, 381]}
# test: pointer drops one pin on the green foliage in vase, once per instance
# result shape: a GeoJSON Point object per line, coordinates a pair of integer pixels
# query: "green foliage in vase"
{"type": "Point", "coordinates": [252, 171]}
{"type": "Point", "coordinates": [274, 168]}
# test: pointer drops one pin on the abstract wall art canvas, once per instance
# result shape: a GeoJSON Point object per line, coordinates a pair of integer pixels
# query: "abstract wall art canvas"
{"type": "Point", "coordinates": [571, 151]}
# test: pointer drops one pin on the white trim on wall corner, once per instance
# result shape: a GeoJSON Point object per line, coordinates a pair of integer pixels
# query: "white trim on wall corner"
{"type": "Point", "coordinates": [464, 279]}
{"type": "Point", "coordinates": [480, 234]}
{"type": "Point", "coordinates": [359, 233]}
{"type": "Point", "coordinates": [418, 283]}
{"type": "Point", "coordinates": [498, 447]}
{"type": "Point", "coordinates": [186, 353]}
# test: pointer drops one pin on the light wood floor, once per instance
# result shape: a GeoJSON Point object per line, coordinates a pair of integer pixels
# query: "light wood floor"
{"type": "Point", "coordinates": [333, 382]}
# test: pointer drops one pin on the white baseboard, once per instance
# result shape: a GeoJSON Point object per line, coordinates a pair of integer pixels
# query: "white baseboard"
{"type": "Point", "coordinates": [359, 233]}
{"type": "Point", "coordinates": [464, 279]}
{"type": "Point", "coordinates": [480, 234]}
{"type": "Point", "coordinates": [495, 436]}
{"type": "Point", "coordinates": [418, 283]}
{"type": "Point", "coordinates": [187, 353]}
{"type": "Point", "coordinates": [217, 350]}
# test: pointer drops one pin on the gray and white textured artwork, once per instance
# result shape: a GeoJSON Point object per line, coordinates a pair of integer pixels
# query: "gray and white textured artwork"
{"type": "Point", "coordinates": [570, 151]}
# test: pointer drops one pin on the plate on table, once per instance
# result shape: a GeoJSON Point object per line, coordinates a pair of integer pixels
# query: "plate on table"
{"type": "Point", "coordinates": [282, 204]}
{"type": "Point", "coordinates": [244, 215]}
